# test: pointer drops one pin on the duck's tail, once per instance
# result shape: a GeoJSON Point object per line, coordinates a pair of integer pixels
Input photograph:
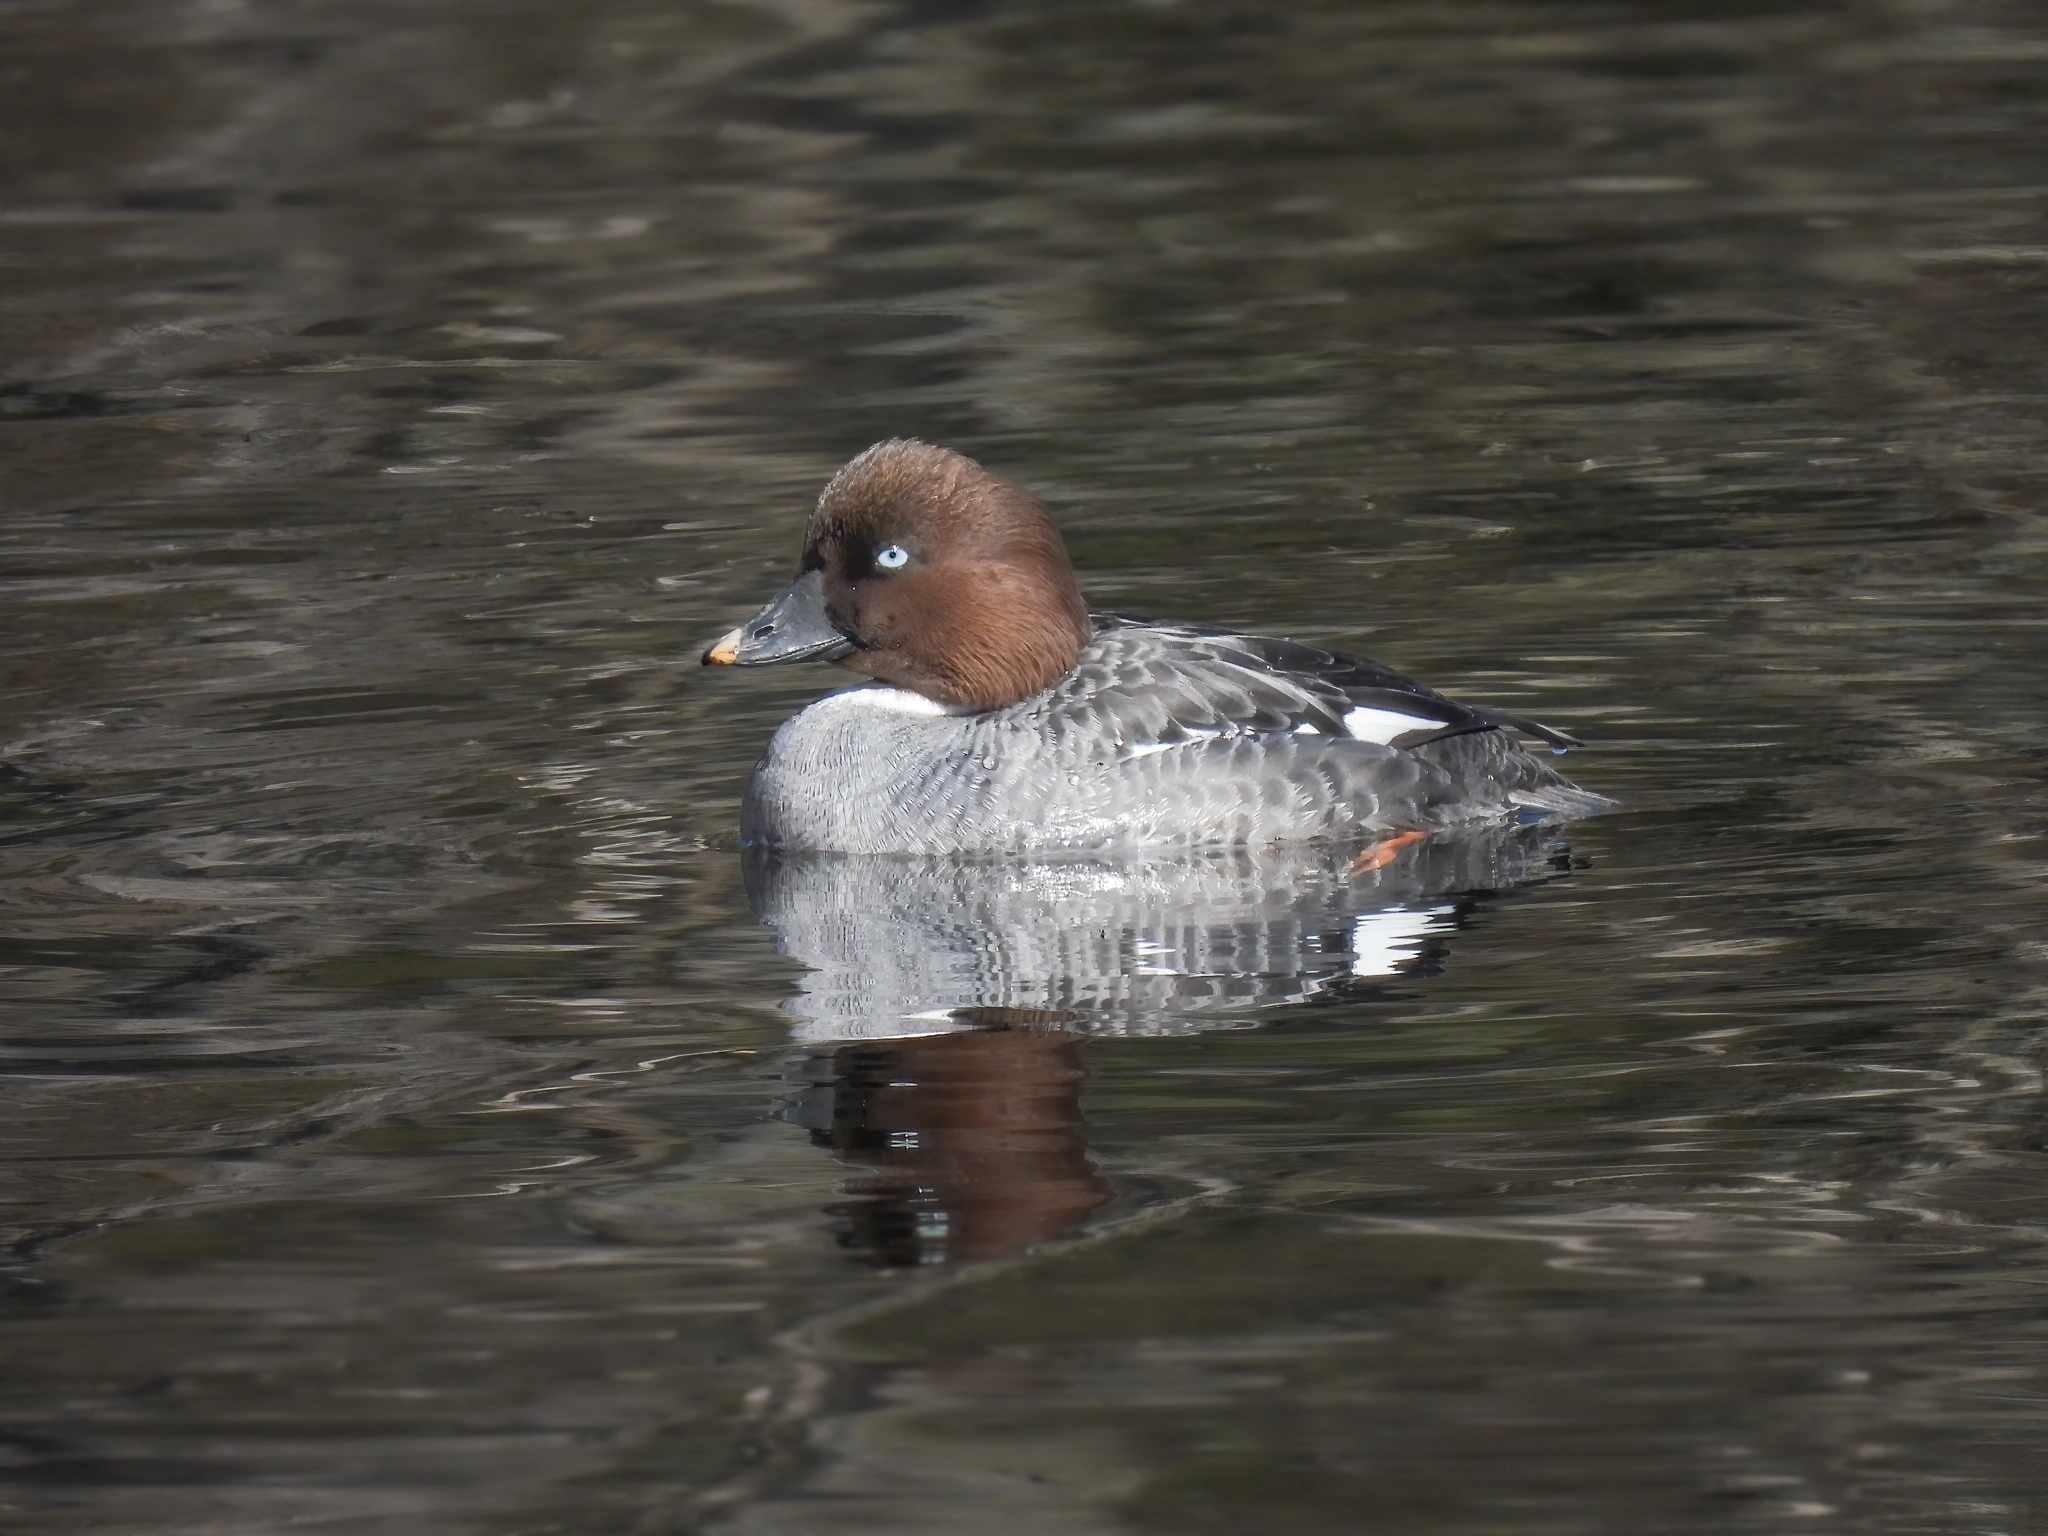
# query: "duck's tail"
{"type": "Point", "coordinates": [1539, 800]}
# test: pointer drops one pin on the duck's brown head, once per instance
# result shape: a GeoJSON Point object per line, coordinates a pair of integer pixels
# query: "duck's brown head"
{"type": "Point", "coordinates": [922, 569]}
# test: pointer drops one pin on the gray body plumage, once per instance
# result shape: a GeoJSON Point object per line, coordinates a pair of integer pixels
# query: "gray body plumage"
{"type": "Point", "coordinates": [1160, 736]}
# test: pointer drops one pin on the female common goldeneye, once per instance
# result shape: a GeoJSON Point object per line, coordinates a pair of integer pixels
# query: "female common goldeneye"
{"type": "Point", "coordinates": [1004, 718]}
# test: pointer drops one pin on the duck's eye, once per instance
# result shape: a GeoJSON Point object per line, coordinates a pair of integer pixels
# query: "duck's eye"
{"type": "Point", "coordinates": [894, 558]}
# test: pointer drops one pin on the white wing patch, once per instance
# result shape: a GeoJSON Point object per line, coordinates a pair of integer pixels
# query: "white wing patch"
{"type": "Point", "coordinates": [1361, 723]}
{"type": "Point", "coordinates": [1383, 725]}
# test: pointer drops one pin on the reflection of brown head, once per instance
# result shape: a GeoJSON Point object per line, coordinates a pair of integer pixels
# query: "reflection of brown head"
{"type": "Point", "coordinates": [951, 581]}
{"type": "Point", "coordinates": [974, 1142]}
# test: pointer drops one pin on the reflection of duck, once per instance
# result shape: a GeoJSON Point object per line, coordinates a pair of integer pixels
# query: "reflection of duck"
{"type": "Point", "coordinates": [947, 1001]}
{"type": "Point", "coordinates": [1004, 718]}
{"type": "Point", "coordinates": [973, 1141]}
{"type": "Point", "coordinates": [900, 947]}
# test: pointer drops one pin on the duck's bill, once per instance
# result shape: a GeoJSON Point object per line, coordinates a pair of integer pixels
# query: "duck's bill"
{"type": "Point", "coordinates": [794, 627]}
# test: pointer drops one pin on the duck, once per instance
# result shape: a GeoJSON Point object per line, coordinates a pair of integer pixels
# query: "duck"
{"type": "Point", "coordinates": [997, 715]}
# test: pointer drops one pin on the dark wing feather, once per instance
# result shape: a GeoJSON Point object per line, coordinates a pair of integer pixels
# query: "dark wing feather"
{"type": "Point", "coordinates": [1169, 682]}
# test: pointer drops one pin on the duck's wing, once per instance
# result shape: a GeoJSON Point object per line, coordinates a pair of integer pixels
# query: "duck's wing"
{"type": "Point", "coordinates": [1162, 683]}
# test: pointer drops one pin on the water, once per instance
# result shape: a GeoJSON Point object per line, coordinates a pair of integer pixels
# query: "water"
{"type": "Point", "coordinates": [411, 1128]}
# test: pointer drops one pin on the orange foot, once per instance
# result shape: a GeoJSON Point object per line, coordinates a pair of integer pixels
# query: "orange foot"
{"type": "Point", "coordinates": [1381, 853]}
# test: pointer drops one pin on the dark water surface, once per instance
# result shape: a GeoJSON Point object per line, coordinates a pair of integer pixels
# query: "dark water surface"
{"type": "Point", "coordinates": [409, 1126]}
